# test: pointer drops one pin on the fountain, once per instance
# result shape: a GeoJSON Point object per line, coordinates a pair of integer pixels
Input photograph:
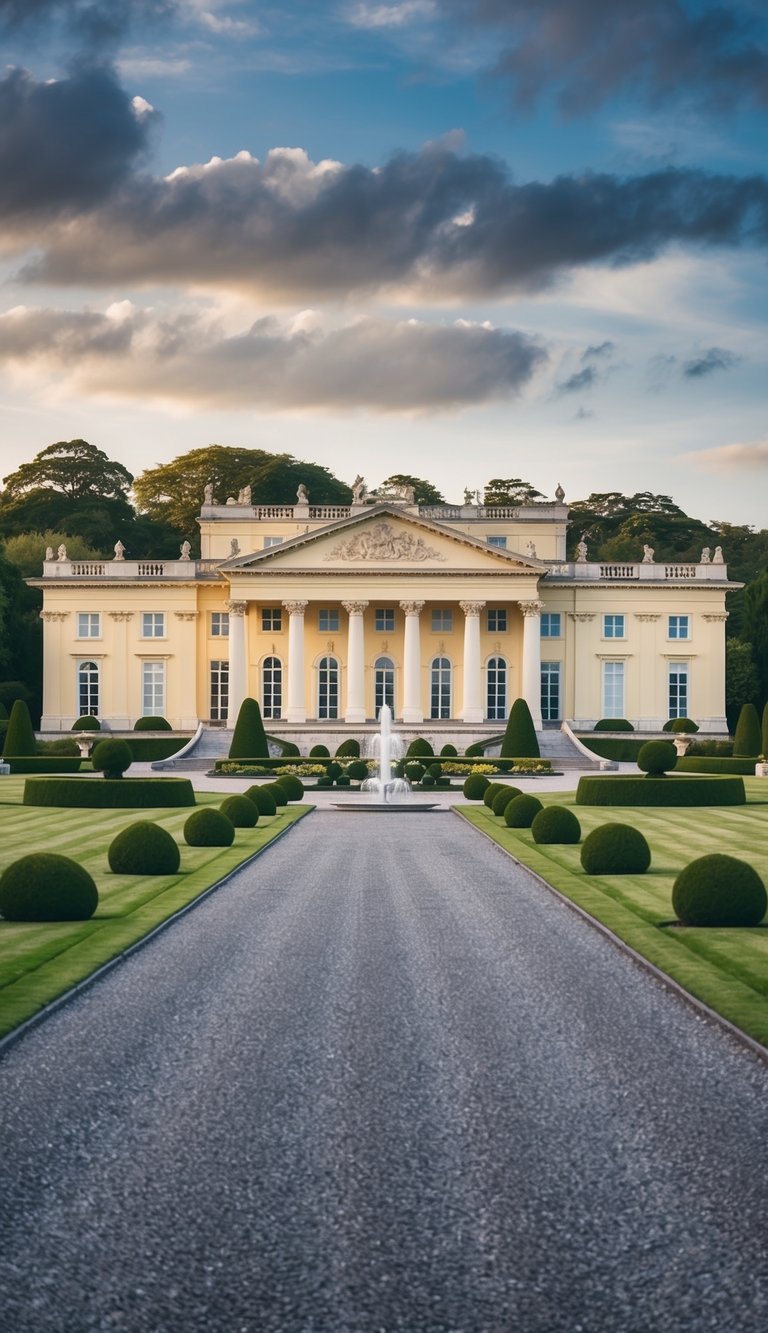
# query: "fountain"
{"type": "Point", "coordinates": [385, 793]}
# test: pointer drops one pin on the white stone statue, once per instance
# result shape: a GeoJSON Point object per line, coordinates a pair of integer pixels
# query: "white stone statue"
{"type": "Point", "coordinates": [717, 558]}
{"type": "Point", "coordinates": [186, 551]}
{"type": "Point", "coordinates": [119, 551]}
{"type": "Point", "coordinates": [231, 500]}
{"type": "Point", "coordinates": [244, 496]}
{"type": "Point", "coordinates": [559, 494]}
{"type": "Point", "coordinates": [49, 553]}
{"type": "Point", "coordinates": [359, 490]}
{"type": "Point", "coordinates": [302, 495]}
{"type": "Point", "coordinates": [61, 554]}
{"type": "Point", "coordinates": [208, 494]}
{"type": "Point", "coordinates": [530, 550]}
{"type": "Point", "coordinates": [234, 546]}
{"type": "Point", "coordinates": [648, 554]}
{"type": "Point", "coordinates": [705, 557]}
{"type": "Point", "coordinates": [581, 551]}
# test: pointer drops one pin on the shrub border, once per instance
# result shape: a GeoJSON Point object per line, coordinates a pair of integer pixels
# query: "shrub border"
{"type": "Point", "coordinates": [626, 789]}
{"type": "Point", "coordinates": [98, 791]}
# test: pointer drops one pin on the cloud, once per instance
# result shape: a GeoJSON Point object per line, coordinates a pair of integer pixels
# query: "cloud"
{"type": "Point", "coordinates": [715, 358]}
{"type": "Point", "coordinates": [586, 51]}
{"type": "Point", "coordinates": [598, 350]}
{"type": "Point", "coordinates": [94, 24]}
{"type": "Point", "coordinates": [579, 381]}
{"type": "Point", "coordinates": [389, 16]}
{"type": "Point", "coordinates": [188, 358]}
{"type": "Point", "coordinates": [733, 457]}
{"type": "Point", "coordinates": [434, 222]}
{"type": "Point", "coordinates": [66, 144]}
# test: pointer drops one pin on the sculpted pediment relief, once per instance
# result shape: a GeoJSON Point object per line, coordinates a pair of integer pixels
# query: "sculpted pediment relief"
{"type": "Point", "coordinates": [383, 542]}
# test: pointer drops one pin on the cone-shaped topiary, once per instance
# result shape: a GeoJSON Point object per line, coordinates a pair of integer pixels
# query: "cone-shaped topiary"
{"type": "Point", "coordinates": [112, 757]}
{"type": "Point", "coordinates": [419, 748]}
{"type": "Point", "coordinates": [491, 792]}
{"type": "Point", "coordinates": [20, 736]}
{"type": "Point", "coordinates": [520, 736]}
{"type": "Point", "coordinates": [357, 770]}
{"type": "Point", "coordinates": [152, 724]}
{"type": "Point", "coordinates": [656, 757]}
{"type": "Point", "coordinates": [277, 792]}
{"type": "Point", "coordinates": [249, 739]}
{"type": "Point", "coordinates": [615, 849]}
{"type": "Point", "coordinates": [262, 799]}
{"type": "Point", "coordinates": [144, 848]}
{"type": "Point", "coordinates": [207, 827]}
{"type": "Point", "coordinates": [521, 811]}
{"type": "Point", "coordinates": [502, 799]}
{"type": "Point", "coordinates": [291, 785]}
{"type": "Point", "coordinates": [240, 811]}
{"type": "Point", "coordinates": [746, 742]}
{"type": "Point", "coordinates": [475, 786]}
{"type": "Point", "coordinates": [556, 823]}
{"type": "Point", "coordinates": [349, 749]}
{"type": "Point", "coordinates": [719, 890]}
{"type": "Point", "coordinates": [44, 886]}
{"type": "Point", "coordinates": [86, 723]}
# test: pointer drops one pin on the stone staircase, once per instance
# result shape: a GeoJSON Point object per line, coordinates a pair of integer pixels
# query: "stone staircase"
{"type": "Point", "coordinates": [213, 743]}
{"type": "Point", "coordinates": [564, 755]}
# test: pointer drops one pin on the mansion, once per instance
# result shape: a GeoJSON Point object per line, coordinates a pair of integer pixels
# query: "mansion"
{"type": "Point", "coordinates": [323, 613]}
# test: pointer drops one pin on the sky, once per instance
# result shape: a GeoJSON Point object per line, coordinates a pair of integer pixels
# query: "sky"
{"type": "Point", "coordinates": [459, 239]}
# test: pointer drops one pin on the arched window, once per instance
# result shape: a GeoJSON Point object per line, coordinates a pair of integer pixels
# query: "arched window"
{"type": "Point", "coordinates": [88, 689]}
{"type": "Point", "coordinates": [328, 688]}
{"type": "Point", "coordinates": [440, 688]}
{"type": "Point", "coordinates": [384, 684]}
{"type": "Point", "coordinates": [272, 687]}
{"type": "Point", "coordinates": [496, 693]}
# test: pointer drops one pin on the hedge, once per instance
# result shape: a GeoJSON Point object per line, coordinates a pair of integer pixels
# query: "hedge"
{"type": "Point", "coordinates": [50, 764]}
{"type": "Point", "coordinates": [109, 793]}
{"type": "Point", "coordinates": [147, 723]}
{"type": "Point", "coordinates": [687, 764]}
{"type": "Point", "coordinates": [19, 736]}
{"type": "Point", "coordinates": [748, 736]}
{"type": "Point", "coordinates": [620, 751]}
{"type": "Point", "coordinates": [631, 790]}
{"type": "Point", "coordinates": [613, 724]}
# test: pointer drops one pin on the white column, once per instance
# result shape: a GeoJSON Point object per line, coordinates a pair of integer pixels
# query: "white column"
{"type": "Point", "coordinates": [355, 710]}
{"type": "Point", "coordinates": [472, 710]}
{"type": "Point", "coordinates": [412, 710]}
{"type": "Point", "coordinates": [237, 664]}
{"type": "Point", "coordinates": [532, 658]}
{"type": "Point", "coordinates": [296, 695]}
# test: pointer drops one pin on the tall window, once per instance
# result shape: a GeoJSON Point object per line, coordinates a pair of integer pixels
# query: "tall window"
{"type": "Point", "coordinates": [497, 689]}
{"type": "Point", "coordinates": [678, 628]}
{"type": "Point", "coordinates": [497, 620]}
{"type": "Point", "coordinates": [613, 628]}
{"type": "Point", "coordinates": [219, 705]}
{"type": "Point", "coordinates": [442, 621]}
{"type": "Point", "coordinates": [219, 624]}
{"type": "Point", "coordinates": [550, 691]}
{"type": "Point", "coordinates": [272, 619]}
{"type": "Point", "coordinates": [272, 687]}
{"type": "Point", "coordinates": [385, 619]}
{"type": "Point", "coordinates": [384, 684]}
{"type": "Point", "coordinates": [88, 625]}
{"type": "Point", "coordinates": [88, 689]}
{"type": "Point", "coordinates": [328, 688]}
{"type": "Point", "coordinates": [153, 624]}
{"type": "Point", "coordinates": [613, 689]}
{"type": "Point", "coordinates": [153, 689]}
{"type": "Point", "coordinates": [678, 689]}
{"type": "Point", "coordinates": [327, 620]}
{"type": "Point", "coordinates": [440, 688]}
{"type": "Point", "coordinates": [551, 625]}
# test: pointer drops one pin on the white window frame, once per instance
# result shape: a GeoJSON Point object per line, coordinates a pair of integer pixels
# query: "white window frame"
{"type": "Point", "coordinates": [551, 674]}
{"type": "Point", "coordinates": [443, 668]}
{"type": "Point", "coordinates": [384, 620]}
{"type": "Point", "coordinates": [153, 624]}
{"type": "Point", "coordinates": [89, 624]}
{"type": "Point", "coordinates": [153, 688]}
{"type": "Point", "coordinates": [498, 541]}
{"type": "Point", "coordinates": [328, 707]}
{"type": "Point", "coordinates": [613, 673]}
{"type": "Point", "coordinates": [383, 684]}
{"type": "Point", "coordinates": [328, 620]}
{"type": "Point", "coordinates": [91, 704]}
{"type": "Point", "coordinates": [271, 620]}
{"type": "Point", "coordinates": [272, 687]}
{"type": "Point", "coordinates": [551, 625]}
{"type": "Point", "coordinates": [610, 626]}
{"type": "Point", "coordinates": [219, 624]}
{"type": "Point", "coordinates": [679, 706]}
{"type": "Point", "coordinates": [498, 620]}
{"type": "Point", "coordinates": [496, 688]}
{"type": "Point", "coordinates": [273, 541]}
{"type": "Point", "coordinates": [218, 689]}
{"type": "Point", "coordinates": [442, 620]}
{"type": "Point", "coordinates": [679, 628]}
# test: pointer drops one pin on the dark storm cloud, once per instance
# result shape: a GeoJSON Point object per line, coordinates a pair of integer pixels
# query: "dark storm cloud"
{"type": "Point", "coordinates": [434, 222]}
{"type": "Point", "coordinates": [92, 23]}
{"type": "Point", "coordinates": [715, 358]}
{"type": "Point", "coordinates": [589, 50]}
{"type": "Point", "coordinates": [66, 144]}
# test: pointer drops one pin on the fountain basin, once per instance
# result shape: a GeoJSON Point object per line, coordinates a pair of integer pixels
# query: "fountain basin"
{"type": "Point", "coordinates": [367, 807]}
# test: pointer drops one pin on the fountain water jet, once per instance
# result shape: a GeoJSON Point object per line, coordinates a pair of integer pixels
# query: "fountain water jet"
{"type": "Point", "coordinates": [385, 792]}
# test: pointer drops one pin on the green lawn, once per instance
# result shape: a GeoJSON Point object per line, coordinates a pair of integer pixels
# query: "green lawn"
{"type": "Point", "coordinates": [41, 960]}
{"type": "Point", "coordinates": [726, 968]}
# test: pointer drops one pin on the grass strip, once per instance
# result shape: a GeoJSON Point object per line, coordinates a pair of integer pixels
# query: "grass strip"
{"type": "Point", "coordinates": [725, 968]}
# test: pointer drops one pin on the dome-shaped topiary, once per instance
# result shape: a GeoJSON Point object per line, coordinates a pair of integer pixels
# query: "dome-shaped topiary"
{"type": "Point", "coordinates": [291, 785]}
{"type": "Point", "coordinates": [681, 726]}
{"type": "Point", "coordinates": [502, 799]}
{"type": "Point", "coordinates": [357, 770]}
{"type": "Point", "coordinates": [249, 740]}
{"type": "Point", "coordinates": [556, 823]}
{"type": "Point", "coordinates": [521, 811]}
{"type": "Point", "coordinates": [262, 798]}
{"type": "Point", "coordinates": [615, 849]}
{"type": "Point", "coordinates": [613, 724]}
{"type": "Point", "coordinates": [349, 749]}
{"type": "Point", "coordinates": [419, 748]}
{"type": "Point", "coordinates": [278, 793]}
{"type": "Point", "coordinates": [747, 738]}
{"type": "Point", "coordinates": [319, 752]}
{"type": "Point", "coordinates": [656, 757]}
{"type": "Point", "coordinates": [491, 792]}
{"type": "Point", "coordinates": [152, 724]}
{"type": "Point", "coordinates": [86, 723]}
{"type": "Point", "coordinates": [334, 771]}
{"type": "Point", "coordinates": [475, 786]}
{"type": "Point", "coordinates": [448, 751]}
{"type": "Point", "coordinates": [144, 848]}
{"type": "Point", "coordinates": [474, 751]}
{"type": "Point", "coordinates": [112, 758]}
{"type": "Point", "coordinates": [45, 886]}
{"type": "Point", "coordinates": [719, 890]}
{"type": "Point", "coordinates": [207, 827]}
{"type": "Point", "coordinates": [240, 811]}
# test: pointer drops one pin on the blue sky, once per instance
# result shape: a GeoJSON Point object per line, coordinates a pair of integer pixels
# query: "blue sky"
{"type": "Point", "coordinates": [457, 238]}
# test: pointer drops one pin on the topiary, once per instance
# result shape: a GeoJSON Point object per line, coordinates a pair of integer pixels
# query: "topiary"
{"type": "Point", "coordinates": [449, 752]}
{"type": "Point", "coordinates": [291, 785]}
{"type": "Point", "coordinates": [443, 781]}
{"type": "Point", "coordinates": [747, 739]}
{"type": "Point", "coordinates": [334, 771]}
{"type": "Point", "coordinates": [419, 748]}
{"type": "Point", "coordinates": [152, 724]}
{"type": "Point", "coordinates": [349, 749]}
{"type": "Point", "coordinates": [290, 750]}
{"type": "Point", "coordinates": [144, 848]}
{"type": "Point", "coordinates": [65, 746]}
{"type": "Point", "coordinates": [343, 780]}
{"type": "Point", "coordinates": [357, 770]}
{"type": "Point", "coordinates": [277, 793]}
{"type": "Point", "coordinates": [19, 736]}
{"type": "Point", "coordinates": [475, 786]}
{"type": "Point", "coordinates": [324, 782]}
{"type": "Point", "coordinates": [556, 823]}
{"type": "Point", "coordinates": [414, 773]}
{"type": "Point", "coordinates": [521, 811]}
{"type": "Point", "coordinates": [764, 738]}
{"type": "Point", "coordinates": [719, 890]}
{"type": "Point", "coordinates": [208, 827]}
{"type": "Point", "coordinates": [656, 757]}
{"type": "Point", "coordinates": [491, 792]}
{"type": "Point", "coordinates": [435, 769]}
{"type": "Point", "coordinates": [44, 886]}
{"type": "Point", "coordinates": [474, 751]}
{"type": "Point", "coordinates": [262, 799]}
{"type": "Point", "coordinates": [249, 739]}
{"type": "Point", "coordinates": [112, 758]}
{"type": "Point", "coordinates": [520, 740]}
{"type": "Point", "coordinates": [502, 799]}
{"type": "Point", "coordinates": [615, 849]}
{"type": "Point", "coordinates": [319, 752]}
{"type": "Point", "coordinates": [86, 723]}
{"type": "Point", "coordinates": [428, 779]}
{"type": "Point", "coordinates": [240, 811]}
{"type": "Point", "coordinates": [613, 724]}
{"type": "Point", "coordinates": [681, 725]}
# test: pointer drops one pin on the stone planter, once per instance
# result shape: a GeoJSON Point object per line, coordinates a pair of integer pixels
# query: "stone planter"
{"type": "Point", "coordinates": [761, 770]}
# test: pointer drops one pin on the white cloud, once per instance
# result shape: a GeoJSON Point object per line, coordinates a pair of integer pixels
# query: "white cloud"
{"type": "Point", "coordinates": [400, 15]}
{"type": "Point", "coordinates": [751, 457]}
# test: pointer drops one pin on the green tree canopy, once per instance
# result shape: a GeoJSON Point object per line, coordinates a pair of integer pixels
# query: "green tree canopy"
{"type": "Point", "coordinates": [424, 492]}
{"type": "Point", "coordinates": [27, 549]}
{"type": "Point", "coordinates": [73, 487]}
{"type": "Point", "coordinates": [509, 491]}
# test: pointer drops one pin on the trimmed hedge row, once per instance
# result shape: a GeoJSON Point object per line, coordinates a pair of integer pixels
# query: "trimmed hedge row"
{"type": "Point", "coordinates": [692, 764]}
{"type": "Point", "coordinates": [147, 749]}
{"type": "Point", "coordinates": [49, 764]}
{"type": "Point", "coordinates": [631, 790]}
{"type": "Point", "coordinates": [109, 793]}
{"type": "Point", "coordinates": [620, 751]}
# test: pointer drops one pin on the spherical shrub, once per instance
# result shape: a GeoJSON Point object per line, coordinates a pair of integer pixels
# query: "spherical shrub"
{"type": "Point", "coordinates": [502, 799]}
{"type": "Point", "coordinates": [474, 751]}
{"type": "Point", "coordinates": [491, 792]}
{"type": "Point", "coordinates": [319, 752]}
{"type": "Point", "coordinates": [240, 811]}
{"type": "Point", "coordinates": [521, 811]}
{"type": "Point", "coordinates": [111, 757]}
{"type": "Point", "coordinates": [475, 786]}
{"type": "Point", "coordinates": [86, 723]}
{"type": "Point", "coordinates": [428, 779]}
{"type": "Point", "coordinates": [435, 769]}
{"type": "Point", "coordinates": [324, 782]}
{"type": "Point", "coordinates": [262, 798]}
{"type": "Point", "coordinates": [655, 757]}
{"type": "Point", "coordinates": [207, 827]}
{"type": "Point", "coordinates": [144, 848]}
{"type": "Point", "coordinates": [291, 785]}
{"type": "Point", "coordinates": [45, 886]}
{"type": "Point", "coordinates": [684, 725]}
{"type": "Point", "coordinates": [343, 780]}
{"type": "Point", "coordinates": [449, 751]}
{"type": "Point", "coordinates": [615, 849]}
{"type": "Point", "coordinates": [556, 823]}
{"type": "Point", "coordinates": [357, 770]}
{"type": "Point", "coordinates": [278, 793]}
{"type": "Point", "coordinates": [152, 724]}
{"type": "Point", "coordinates": [414, 773]}
{"type": "Point", "coordinates": [719, 890]}
{"type": "Point", "coordinates": [334, 771]}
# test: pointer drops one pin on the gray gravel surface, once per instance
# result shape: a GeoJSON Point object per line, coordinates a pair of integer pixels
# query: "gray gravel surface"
{"type": "Point", "coordinates": [382, 1080]}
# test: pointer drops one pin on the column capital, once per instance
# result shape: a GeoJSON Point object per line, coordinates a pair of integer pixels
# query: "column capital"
{"type": "Point", "coordinates": [581, 617]}
{"type": "Point", "coordinates": [53, 615]}
{"type": "Point", "coordinates": [120, 615]}
{"type": "Point", "coordinates": [412, 608]}
{"type": "Point", "coordinates": [471, 608]}
{"type": "Point", "coordinates": [189, 615]}
{"type": "Point", "coordinates": [355, 608]}
{"type": "Point", "coordinates": [236, 608]}
{"type": "Point", "coordinates": [531, 608]}
{"type": "Point", "coordinates": [295, 608]}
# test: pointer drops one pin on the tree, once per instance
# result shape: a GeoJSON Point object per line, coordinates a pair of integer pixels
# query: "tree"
{"type": "Point", "coordinates": [619, 526]}
{"type": "Point", "coordinates": [424, 492]}
{"type": "Point", "coordinates": [72, 487]}
{"type": "Point", "coordinates": [742, 683]}
{"type": "Point", "coordinates": [27, 550]}
{"type": "Point", "coordinates": [755, 627]}
{"type": "Point", "coordinates": [509, 491]}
